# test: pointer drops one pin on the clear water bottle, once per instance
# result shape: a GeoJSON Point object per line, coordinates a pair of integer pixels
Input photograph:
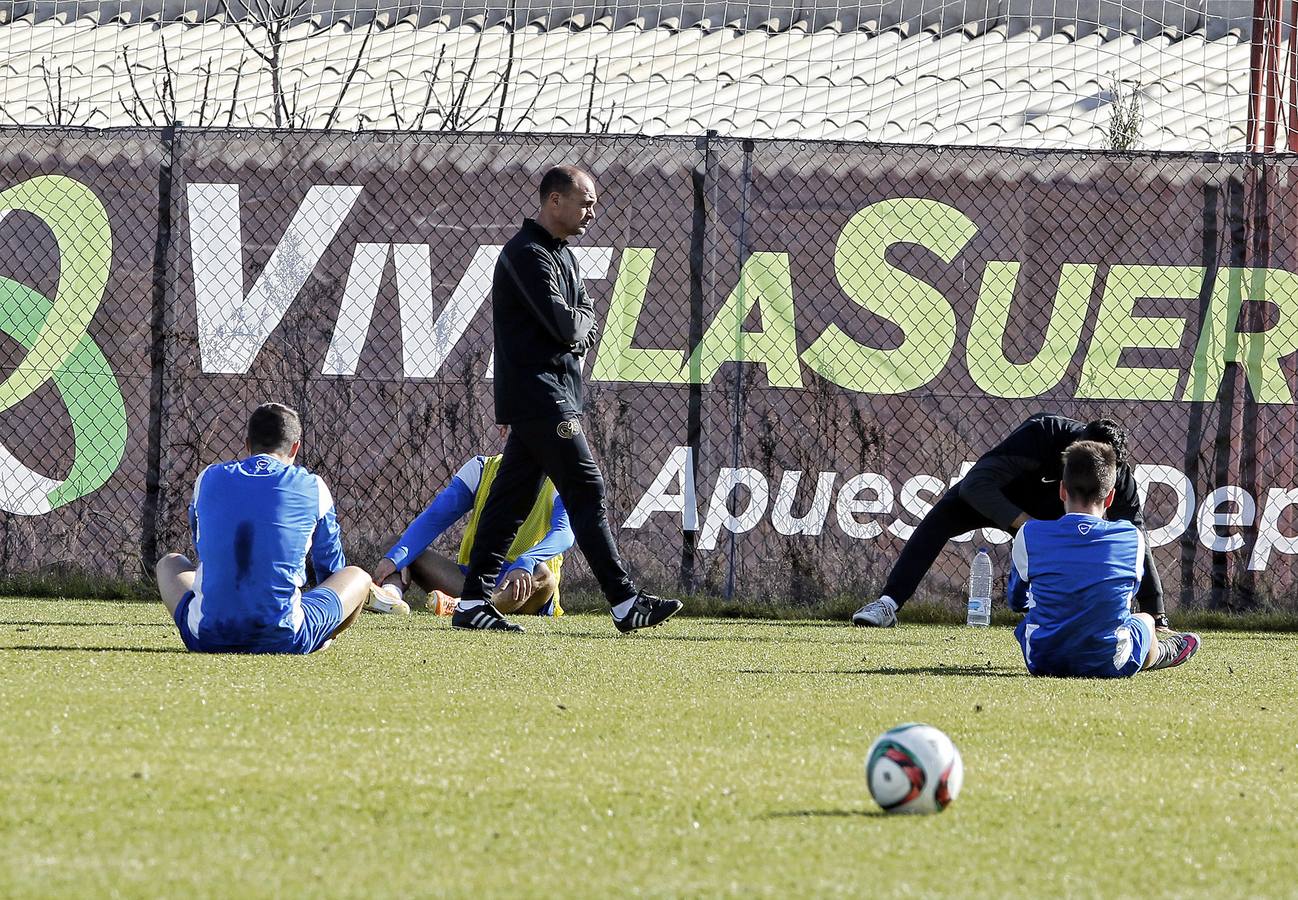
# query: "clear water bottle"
{"type": "Point", "coordinates": [980, 590]}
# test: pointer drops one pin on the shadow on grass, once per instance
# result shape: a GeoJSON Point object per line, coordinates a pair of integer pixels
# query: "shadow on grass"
{"type": "Point", "coordinates": [48, 647]}
{"type": "Point", "coordinates": [30, 624]}
{"type": "Point", "coordinates": [975, 671]}
{"type": "Point", "coordinates": [796, 623]}
{"type": "Point", "coordinates": [826, 814]}
{"type": "Point", "coordinates": [612, 635]}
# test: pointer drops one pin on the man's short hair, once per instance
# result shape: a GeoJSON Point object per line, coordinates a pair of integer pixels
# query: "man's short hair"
{"type": "Point", "coordinates": [559, 180]}
{"type": "Point", "coordinates": [273, 428]}
{"type": "Point", "coordinates": [1090, 471]}
{"type": "Point", "coordinates": [1107, 431]}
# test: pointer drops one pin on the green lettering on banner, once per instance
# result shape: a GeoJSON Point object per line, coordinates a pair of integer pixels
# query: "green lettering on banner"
{"type": "Point", "coordinates": [1260, 352]}
{"type": "Point", "coordinates": [984, 350]}
{"type": "Point", "coordinates": [58, 347]}
{"type": "Point", "coordinates": [924, 315]}
{"type": "Point", "coordinates": [766, 283]}
{"type": "Point", "coordinates": [1117, 329]}
{"type": "Point", "coordinates": [617, 360]}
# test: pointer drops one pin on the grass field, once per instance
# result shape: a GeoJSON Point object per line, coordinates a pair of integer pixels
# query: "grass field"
{"type": "Point", "coordinates": [705, 757]}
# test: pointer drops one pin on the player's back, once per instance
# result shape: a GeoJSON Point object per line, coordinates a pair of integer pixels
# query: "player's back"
{"type": "Point", "coordinates": [1082, 572]}
{"type": "Point", "coordinates": [253, 523]}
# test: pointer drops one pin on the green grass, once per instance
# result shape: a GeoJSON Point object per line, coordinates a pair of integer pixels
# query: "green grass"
{"type": "Point", "coordinates": [705, 757]}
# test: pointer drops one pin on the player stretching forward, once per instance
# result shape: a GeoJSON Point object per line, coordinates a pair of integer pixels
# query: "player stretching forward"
{"type": "Point", "coordinates": [528, 584]}
{"type": "Point", "coordinates": [1014, 482]}
{"type": "Point", "coordinates": [253, 522]}
{"type": "Point", "coordinates": [1078, 575]}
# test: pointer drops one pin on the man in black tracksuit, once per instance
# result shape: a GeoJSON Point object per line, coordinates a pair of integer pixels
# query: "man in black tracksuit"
{"type": "Point", "coordinates": [544, 323]}
{"type": "Point", "coordinates": [1014, 482]}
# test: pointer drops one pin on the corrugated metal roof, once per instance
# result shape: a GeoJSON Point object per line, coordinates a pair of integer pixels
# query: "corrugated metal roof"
{"type": "Point", "coordinates": [1143, 18]}
{"type": "Point", "coordinates": [969, 84]}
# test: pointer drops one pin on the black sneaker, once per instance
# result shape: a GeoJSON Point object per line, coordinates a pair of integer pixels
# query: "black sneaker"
{"type": "Point", "coordinates": [646, 612]}
{"type": "Point", "coordinates": [1174, 650]}
{"type": "Point", "coordinates": [483, 617]}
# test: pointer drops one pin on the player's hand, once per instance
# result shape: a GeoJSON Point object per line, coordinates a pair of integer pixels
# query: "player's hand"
{"type": "Point", "coordinates": [503, 430]}
{"type": "Point", "coordinates": [386, 569]}
{"type": "Point", "coordinates": [518, 584]}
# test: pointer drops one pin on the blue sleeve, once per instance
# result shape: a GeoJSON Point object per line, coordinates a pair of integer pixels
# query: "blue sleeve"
{"type": "Point", "coordinates": [1016, 592]}
{"type": "Point", "coordinates": [449, 505]}
{"type": "Point", "coordinates": [557, 540]}
{"type": "Point", "coordinates": [1016, 589]}
{"type": "Point", "coordinates": [193, 508]}
{"type": "Point", "coordinates": [327, 546]}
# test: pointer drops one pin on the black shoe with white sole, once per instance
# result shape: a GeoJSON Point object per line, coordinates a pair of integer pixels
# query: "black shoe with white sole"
{"type": "Point", "coordinates": [646, 612]}
{"type": "Point", "coordinates": [483, 617]}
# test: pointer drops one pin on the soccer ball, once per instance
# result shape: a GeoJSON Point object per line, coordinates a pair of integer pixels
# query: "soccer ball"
{"type": "Point", "coordinates": [913, 768]}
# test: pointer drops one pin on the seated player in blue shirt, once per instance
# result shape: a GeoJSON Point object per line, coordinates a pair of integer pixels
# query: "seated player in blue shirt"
{"type": "Point", "coordinates": [529, 580]}
{"type": "Point", "coordinates": [253, 523]}
{"type": "Point", "coordinates": [1079, 574]}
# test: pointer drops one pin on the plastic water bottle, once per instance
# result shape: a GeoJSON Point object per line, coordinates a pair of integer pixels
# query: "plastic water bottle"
{"type": "Point", "coordinates": [980, 590]}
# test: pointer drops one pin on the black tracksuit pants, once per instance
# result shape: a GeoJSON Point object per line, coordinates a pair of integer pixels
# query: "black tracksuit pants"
{"type": "Point", "coordinates": [952, 516]}
{"type": "Point", "coordinates": [536, 448]}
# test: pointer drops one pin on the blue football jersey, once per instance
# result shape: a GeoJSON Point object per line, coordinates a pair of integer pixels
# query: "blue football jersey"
{"type": "Point", "coordinates": [1081, 574]}
{"type": "Point", "coordinates": [254, 521]}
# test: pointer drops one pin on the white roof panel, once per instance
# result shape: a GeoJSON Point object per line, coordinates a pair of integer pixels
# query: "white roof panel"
{"type": "Point", "coordinates": [985, 83]}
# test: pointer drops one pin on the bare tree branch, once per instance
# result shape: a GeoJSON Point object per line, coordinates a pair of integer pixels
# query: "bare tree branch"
{"type": "Point", "coordinates": [347, 82]}
{"type": "Point", "coordinates": [509, 64]}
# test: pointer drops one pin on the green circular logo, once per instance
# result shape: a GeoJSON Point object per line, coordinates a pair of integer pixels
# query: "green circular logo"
{"type": "Point", "coordinates": [59, 349]}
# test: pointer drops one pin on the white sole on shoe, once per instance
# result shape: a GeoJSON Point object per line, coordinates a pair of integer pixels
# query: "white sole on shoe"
{"type": "Point", "coordinates": [380, 601]}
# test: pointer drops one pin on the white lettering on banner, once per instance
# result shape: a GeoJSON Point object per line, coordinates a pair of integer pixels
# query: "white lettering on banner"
{"type": "Point", "coordinates": [813, 522]}
{"type": "Point", "coordinates": [719, 515]}
{"type": "Point", "coordinates": [359, 294]}
{"type": "Point", "coordinates": [1268, 528]}
{"type": "Point", "coordinates": [913, 493]}
{"type": "Point", "coordinates": [233, 326]}
{"type": "Point", "coordinates": [850, 503]}
{"type": "Point", "coordinates": [873, 494]}
{"type": "Point", "coordinates": [1240, 514]}
{"type": "Point", "coordinates": [1147, 475]}
{"type": "Point", "coordinates": [678, 470]}
{"type": "Point", "coordinates": [427, 342]}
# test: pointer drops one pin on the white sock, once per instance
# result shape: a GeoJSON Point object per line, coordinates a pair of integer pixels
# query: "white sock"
{"type": "Point", "coordinates": [469, 604]}
{"type": "Point", "coordinates": [620, 611]}
{"type": "Point", "coordinates": [394, 588]}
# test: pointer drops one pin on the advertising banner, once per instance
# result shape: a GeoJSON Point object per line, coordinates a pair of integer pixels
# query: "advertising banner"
{"type": "Point", "coordinates": [802, 345]}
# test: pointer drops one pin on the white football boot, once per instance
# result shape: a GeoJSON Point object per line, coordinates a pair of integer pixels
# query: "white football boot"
{"type": "Point", "coordinates": [386, 600]}
{"type": "Point", "coordinates": [881, 613]}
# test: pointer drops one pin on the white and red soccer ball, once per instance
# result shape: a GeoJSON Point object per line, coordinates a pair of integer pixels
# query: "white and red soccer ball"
{"type": "Point", "coordinates": [913, 768]}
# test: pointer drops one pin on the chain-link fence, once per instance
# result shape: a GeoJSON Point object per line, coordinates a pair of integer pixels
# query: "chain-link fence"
{"type": "Point", "coordinates": [802, 344]}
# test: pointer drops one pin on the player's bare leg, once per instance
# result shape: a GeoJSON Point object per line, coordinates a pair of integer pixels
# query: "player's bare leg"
{"type": "Point", "coordinates": [436, 574]}
{"type": "Point", "coordinates": [543, 588]}
{"type": "Point", "coordinates": [352, 585]}
{"type": "Point", "coordinates": [175, 576]}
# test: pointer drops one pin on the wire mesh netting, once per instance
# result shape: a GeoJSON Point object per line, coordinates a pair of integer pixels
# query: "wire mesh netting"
{"type": "Point", "coordinates": [1134, 74]}
{"type": "Point", "coordinates": [802, 345]}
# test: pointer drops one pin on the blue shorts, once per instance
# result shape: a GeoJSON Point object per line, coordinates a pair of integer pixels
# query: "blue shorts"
{"type": "Point", "coordinates": [1135, 637]}
{"type": "Point", "coordinates": [322, 613]}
